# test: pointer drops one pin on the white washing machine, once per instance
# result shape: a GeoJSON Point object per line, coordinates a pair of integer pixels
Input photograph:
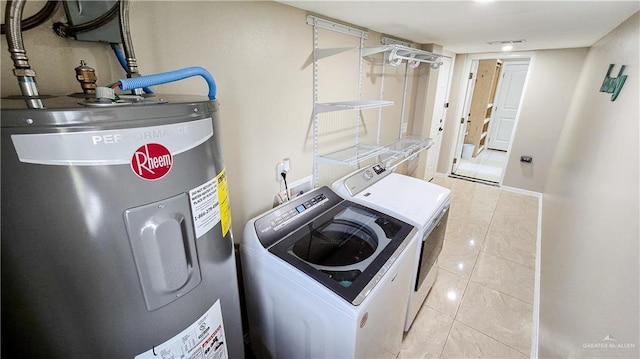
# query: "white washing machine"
{"type": "Point", "coordinates": [327, 278]}
{"type": "Point", "coordinates": [421, 203]}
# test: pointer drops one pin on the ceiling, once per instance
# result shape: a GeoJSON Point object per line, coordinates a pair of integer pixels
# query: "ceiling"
{"type": "Point", "coordinates": [466, 26]}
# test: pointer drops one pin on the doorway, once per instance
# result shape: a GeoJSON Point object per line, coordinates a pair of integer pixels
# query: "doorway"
{"type": "Point", "coordinates": [493, 96]}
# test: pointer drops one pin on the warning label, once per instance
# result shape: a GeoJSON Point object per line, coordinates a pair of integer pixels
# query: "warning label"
{"type": "Point", "coordinates": [223, 199]}
{"type": "Point", "coordinates": [204, 339]}
{"type": "Point", "coordinates": [205, 207]}
{"type": "Point", "coordinates": [210, 205]}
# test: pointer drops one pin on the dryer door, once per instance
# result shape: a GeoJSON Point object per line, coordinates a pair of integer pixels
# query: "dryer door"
{"type": "Point", "coordinates": [432, 246]}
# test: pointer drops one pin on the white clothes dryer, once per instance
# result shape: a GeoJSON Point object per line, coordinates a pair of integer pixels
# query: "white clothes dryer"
{"type": "Point", "coordinates": [327, 278]}
{"type": "Point", "coordinates": [418, 202]}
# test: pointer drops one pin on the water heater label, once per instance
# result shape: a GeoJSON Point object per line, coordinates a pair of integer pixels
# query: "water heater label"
{"type": "Point", "coordinates": [204, 339]}
{"type": "Point", "coordinates": [205, 207]}
{"type": "Point", "coordinates": [112, 147]}
{"type": "Point", "coordinates": [210, 205]}
{"type": "Point", "coordinates": [223, 199]}
{"type": "Point", "coordinates": [151, 161]}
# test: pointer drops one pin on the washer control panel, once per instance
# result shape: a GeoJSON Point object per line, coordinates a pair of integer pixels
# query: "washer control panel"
{"type": "Point", "coordinates": [289, 216]}
{"type": "Point", "coordinates": [364, 178]}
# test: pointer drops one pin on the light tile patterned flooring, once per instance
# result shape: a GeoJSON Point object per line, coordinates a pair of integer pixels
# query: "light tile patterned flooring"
{"type": "Point", "coordinates": [481, 303]}
{"type": "Point", "coordinates": [488, 165]}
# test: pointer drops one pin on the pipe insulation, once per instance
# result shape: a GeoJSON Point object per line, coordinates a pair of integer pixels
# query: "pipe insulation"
{"type": "Point", "coordinates": [171, 76]}
{"type": "Point", "coordinates": [123, 63]}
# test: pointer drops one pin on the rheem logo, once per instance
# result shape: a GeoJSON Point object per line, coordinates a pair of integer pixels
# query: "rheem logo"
{"type": "Point", "coordinates": [151, 161]}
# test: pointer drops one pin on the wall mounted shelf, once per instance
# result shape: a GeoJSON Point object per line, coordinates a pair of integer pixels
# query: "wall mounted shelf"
{"type": "Point", "coordinates": [403, 149]}
{"type": "Point", "coordinates": [395, 51]}
{"type": "Point", "coordinates": [352, 155]}
{"type": "Point", "coordinates": [391, 155]}
{"type": "Point", "coordinates": [351, 105]}
{"type": "Point", "coordinates": [398, 53]}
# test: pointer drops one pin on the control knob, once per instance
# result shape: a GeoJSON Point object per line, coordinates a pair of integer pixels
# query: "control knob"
{"type": "Point", "coordinates": [368, 175]}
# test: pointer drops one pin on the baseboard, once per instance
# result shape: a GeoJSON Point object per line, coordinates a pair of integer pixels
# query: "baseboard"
{"type": "Point", "coordinates": [535, 322]}
{"type": "Point", "coordinates": [473, 179]}
{"type": "Point", "coordinates": [523, 191]}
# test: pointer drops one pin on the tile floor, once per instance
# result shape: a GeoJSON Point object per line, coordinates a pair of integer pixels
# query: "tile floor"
{"type": "Point", "coordinates": [481, 303]}
{"type": "Point", "coordinates": [487, 165]}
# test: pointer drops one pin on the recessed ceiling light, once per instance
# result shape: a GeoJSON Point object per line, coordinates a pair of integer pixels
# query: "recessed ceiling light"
{"type": "Point", "coordinates": [507, 47]}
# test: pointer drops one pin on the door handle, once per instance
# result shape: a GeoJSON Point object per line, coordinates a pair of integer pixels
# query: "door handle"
{"type": "Point", "coordinates": [440, 129]}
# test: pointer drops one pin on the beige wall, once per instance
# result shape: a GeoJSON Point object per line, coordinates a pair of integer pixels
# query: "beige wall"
{"type": "Point", "coordinates": [546, 99]}
{"type": "Point", "coordinates": [259, 54]}
{"type": "Point", "coordinates": [427, 84]}
{"type": "Point", "coordinates": [589, 263]}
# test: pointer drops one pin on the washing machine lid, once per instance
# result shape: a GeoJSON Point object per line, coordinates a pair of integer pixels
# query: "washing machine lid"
{"type": "Point", "coordinates": [413, 200]}
{"type": "Point", "coordinates": [346, 248]}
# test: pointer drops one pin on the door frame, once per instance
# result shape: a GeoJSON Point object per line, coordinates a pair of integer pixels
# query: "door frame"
{"type": "Point", "coordinates": [469, 86]}
{"type": "Point", "coordinates": [462, 104]}
{"type": "Point", "coordinates": [445, 95]}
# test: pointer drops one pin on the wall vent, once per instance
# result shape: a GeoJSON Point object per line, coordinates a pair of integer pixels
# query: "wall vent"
{"type": "Point", "coordinates": [505, 42]}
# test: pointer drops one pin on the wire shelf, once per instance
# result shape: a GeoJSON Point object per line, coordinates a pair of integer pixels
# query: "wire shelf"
{"type": "Point", "coordinates": [352, 155]}
{"type": "Point", "coordinates": [391, 155]}
{"type": "Point", "coordinates": [403, 149]}
{"type": "Point", "coordinates": [410, 144]}
{"type": "Point", "coordinates": [401, 52]}
{"type": "Point", "coordinates": [349, 105]}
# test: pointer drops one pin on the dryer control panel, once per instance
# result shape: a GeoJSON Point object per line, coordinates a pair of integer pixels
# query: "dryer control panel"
{"type": "Point", "coordinates": [364, 178]}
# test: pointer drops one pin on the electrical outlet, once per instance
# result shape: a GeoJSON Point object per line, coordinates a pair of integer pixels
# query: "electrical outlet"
{"type": "Point", "coordinates": [283, 166]}
{"type": "Point", "coordinates": [526, 159]}
{"type": "Point", "coordinates": [279, 169]}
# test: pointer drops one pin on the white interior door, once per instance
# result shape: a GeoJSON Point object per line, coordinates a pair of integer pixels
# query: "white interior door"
{"type": "Point", "coordinates": [439, 114]}
{"type": "Point", "coordinates": [508, 96]}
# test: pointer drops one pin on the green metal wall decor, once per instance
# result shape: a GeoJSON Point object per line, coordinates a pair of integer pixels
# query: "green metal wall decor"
{"type": "Point", "coordinates": [613, 85]}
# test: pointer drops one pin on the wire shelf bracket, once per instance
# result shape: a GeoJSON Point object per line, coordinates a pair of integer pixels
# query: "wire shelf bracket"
{"type": "Point", "coordinates": [334, 26]}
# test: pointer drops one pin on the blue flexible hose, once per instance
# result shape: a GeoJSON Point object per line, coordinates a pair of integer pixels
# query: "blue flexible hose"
{"type": "Point", "coordinates": [123, 63]}
{"type": "Point", "coordinates": [171, 76]}
{"type": "Point", "coordinates": [120, 57]}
